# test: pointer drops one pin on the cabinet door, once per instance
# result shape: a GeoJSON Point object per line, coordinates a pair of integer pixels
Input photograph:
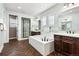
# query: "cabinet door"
{"type": "Point", "coordinates": [67, 48]}
{"type": "Point", "coordinates": [58, 44]}
{"type": "Point", "coordinates": [77, 49]}
{"type": "Point", "coordinates": [76, 46]}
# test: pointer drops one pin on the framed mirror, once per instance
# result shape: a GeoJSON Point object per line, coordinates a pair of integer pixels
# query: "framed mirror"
{"type": "Point", "coordinates": [66, 26]}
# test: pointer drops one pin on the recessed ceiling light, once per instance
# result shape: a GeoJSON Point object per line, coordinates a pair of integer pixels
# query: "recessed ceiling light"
{"type": "Point", "coordinates": [19, 7]}
{"type": "Point", "coordinates": [70, 4]}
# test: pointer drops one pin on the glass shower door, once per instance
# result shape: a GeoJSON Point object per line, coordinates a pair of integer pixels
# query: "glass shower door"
{"type": "Point", "coordinates": [26, 27]}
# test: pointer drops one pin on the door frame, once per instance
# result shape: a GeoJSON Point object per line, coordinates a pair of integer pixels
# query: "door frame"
{"type": "Point", "coordinates": [16, 27]}
{"type": "Point", "coordinates": [23, 27]}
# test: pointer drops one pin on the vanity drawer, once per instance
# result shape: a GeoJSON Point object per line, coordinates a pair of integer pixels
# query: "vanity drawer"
{"type": "Point", "coordinates": [68, 38]}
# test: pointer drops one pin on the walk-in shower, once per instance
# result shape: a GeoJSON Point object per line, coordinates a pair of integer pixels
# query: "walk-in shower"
{"type": "Point", "coordinates": [25, 27]}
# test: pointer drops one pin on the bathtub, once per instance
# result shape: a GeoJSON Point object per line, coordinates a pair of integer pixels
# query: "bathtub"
{"type": "Point", "coordinates": [44, 47]}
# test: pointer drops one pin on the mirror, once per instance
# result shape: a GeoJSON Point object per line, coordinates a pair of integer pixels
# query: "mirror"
{"type": "Point", "coordinates": [66, 26]}
{"type": "Point", "coordinates": [1, 27]}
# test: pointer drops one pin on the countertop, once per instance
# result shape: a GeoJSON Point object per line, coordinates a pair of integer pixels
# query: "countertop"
{"type": "Point", "coordinates": [35, 31]}
{"type": "Point", "coordinates": [65, 34]}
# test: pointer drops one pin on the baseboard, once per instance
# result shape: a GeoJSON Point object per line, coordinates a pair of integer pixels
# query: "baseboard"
{"type": "Point", "coordinates": [13, 38]}
{"type": "Point", "coordinates": [6, 41]}
{"type": "Point", "coordinates": [22, 39]}
{"type": "Point", "coordinates": [1, 47]}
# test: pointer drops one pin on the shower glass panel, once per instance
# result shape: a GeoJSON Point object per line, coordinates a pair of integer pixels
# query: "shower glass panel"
{"type": "Point", "coordinates": [25, 27]}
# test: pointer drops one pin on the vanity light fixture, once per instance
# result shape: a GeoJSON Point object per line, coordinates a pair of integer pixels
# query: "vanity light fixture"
{"type": "Point", "coordinates": [65, 5]}
{"type": "Point", "coordinates": [68, 5]}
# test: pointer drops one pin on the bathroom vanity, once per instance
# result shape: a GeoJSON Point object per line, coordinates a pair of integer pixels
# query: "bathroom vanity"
{"type": "Point", "coordinates": [35, 33]}
{"type": "Point", "coordinates": [67, 44]}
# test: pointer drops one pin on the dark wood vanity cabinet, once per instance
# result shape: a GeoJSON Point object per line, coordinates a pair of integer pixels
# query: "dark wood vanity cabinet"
{"type": "Point", "coordinates": [76, 46]}
{"type": "Point", "coordinates": [66, 45]}
{"type": "Point", "coordinates": [58, 44]}
{"type": "Point", "coordinates": [34, 33]}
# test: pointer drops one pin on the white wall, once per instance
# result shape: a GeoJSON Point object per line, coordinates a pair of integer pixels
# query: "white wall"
{"type": "Point", "coordinates": [44, 27]}
{"type": "Point", "coordinates": [46, 23]}
{"type": "Point", "coordinates": [3, 34]}
{"type": "Point", "coordinates": [34, 24]}
{"type": "Point", "coordinates": [74, 19]}
{"type": "Point", "coordinates": [4, 16]}
{"type": "Point", "coordinates": [53, 10]}
{"type": "Point", "coordinates": [56, 12]}
{"type": "Point", "coordinates": [19, 15]}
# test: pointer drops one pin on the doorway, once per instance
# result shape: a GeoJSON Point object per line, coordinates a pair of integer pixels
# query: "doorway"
{"type": "Point", "coordinates": [12, 27]}
{"type": "Point", "coordinates": [25, 27]}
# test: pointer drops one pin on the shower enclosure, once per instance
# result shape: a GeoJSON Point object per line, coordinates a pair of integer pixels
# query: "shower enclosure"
{"type": "Point", "coordinates": [25, 27]}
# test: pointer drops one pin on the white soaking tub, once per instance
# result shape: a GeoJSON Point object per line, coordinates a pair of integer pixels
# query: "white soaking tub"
{"type": "Point", "coordinates": [43, 47]}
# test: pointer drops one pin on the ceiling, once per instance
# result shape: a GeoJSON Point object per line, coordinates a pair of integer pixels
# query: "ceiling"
{"type": "Point", "coordinates": [31, 9]}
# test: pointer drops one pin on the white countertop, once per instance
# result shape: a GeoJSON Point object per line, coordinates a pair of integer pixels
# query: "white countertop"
{"type": "Point", "coordinates": [65, 34]}
{"type": "Point", "coordinates": [36, 31]}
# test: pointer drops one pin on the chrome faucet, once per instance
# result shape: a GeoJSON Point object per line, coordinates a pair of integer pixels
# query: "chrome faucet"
{"type": "Point", "coordinates": [70, 32]}
{"type": "Point", "coordinates": [44, 39]}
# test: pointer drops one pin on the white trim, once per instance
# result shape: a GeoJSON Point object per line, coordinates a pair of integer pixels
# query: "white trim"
{"type": "Point", "coordinates": [22, 39]}
{"type": "Point", "coordinates": [1, 47]}
{"type": "Point", "coordinates": [7, 41]}
{"type": "Point", "coordinates": [13, 38]}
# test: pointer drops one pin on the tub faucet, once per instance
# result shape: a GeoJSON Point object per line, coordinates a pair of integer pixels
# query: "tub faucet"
{"type": "Point", "coordinates": [44, 38]}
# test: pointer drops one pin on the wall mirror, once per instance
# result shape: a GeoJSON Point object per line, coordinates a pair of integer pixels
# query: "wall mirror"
{"type": "Point", "coordinates": [66, 26]}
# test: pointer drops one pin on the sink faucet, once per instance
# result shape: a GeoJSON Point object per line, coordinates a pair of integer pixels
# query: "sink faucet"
{"type": "Point", "coordinates": [70, 32]}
